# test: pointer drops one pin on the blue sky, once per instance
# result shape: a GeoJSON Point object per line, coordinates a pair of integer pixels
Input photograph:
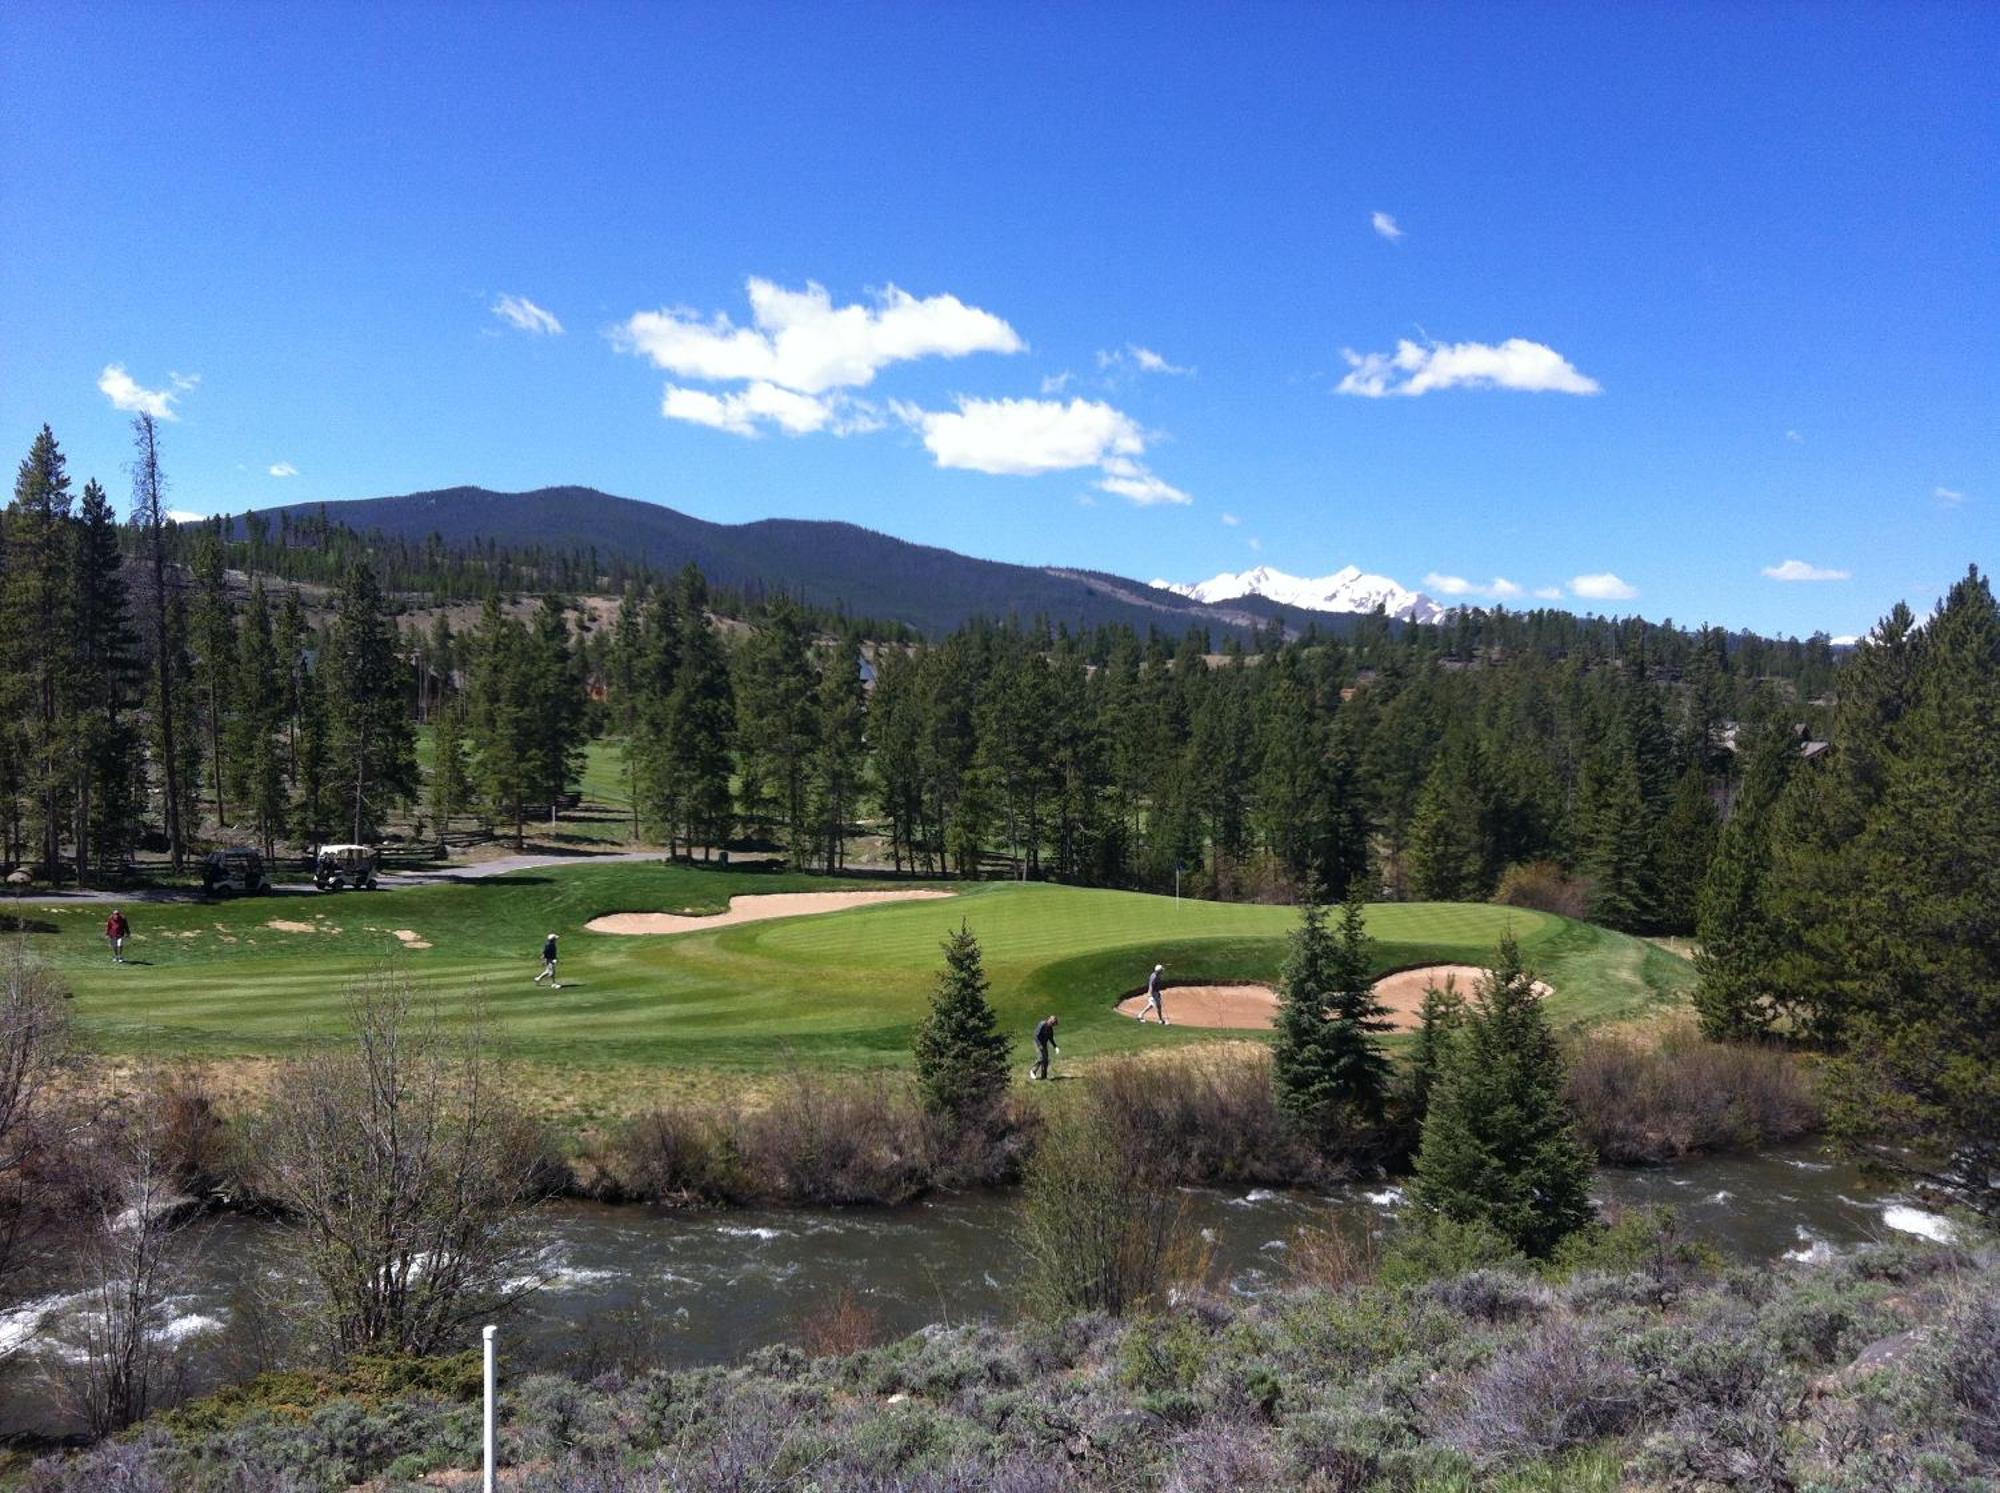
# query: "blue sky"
{"type": "Point", "coordinates": [1663, 296]}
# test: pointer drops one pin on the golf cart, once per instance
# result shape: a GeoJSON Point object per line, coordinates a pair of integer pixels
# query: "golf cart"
{"type": "Point", "coordinates": [235, 872]}
{"type": "Point", "coordinates": [340, 866]}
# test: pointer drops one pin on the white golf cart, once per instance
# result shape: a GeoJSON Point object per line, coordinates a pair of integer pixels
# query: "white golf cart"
{"type": "Point", "coordinates": [337, 867]}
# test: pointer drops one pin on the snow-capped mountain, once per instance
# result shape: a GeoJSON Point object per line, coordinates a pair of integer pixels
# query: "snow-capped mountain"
{"type": "Point", "coordinates": [1347, 590]}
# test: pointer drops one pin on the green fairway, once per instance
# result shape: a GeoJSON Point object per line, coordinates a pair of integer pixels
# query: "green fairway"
{"type": "Point", "coordinates": [842, 989]}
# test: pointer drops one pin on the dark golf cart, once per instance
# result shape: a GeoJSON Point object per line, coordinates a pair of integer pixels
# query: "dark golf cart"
{"type": "Point", "coordinates": [234, 872]}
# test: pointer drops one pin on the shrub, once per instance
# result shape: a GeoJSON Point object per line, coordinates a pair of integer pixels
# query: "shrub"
{"type": "Point", "coordinates": [1649, 1102]}
{"type": "Point", "coordinates": [1100, 1228]}
{"type": "Point", "coordinates": [1558, 1390]}
{"type": "Point", "coordinates": [1544, 886]}
{"type": "Point", "coordinates": [1430, 1248]}
{"type": "Point", "coordinates": [839, 1326]}
{"type": "Point", "coordinates": [1208, 1116]}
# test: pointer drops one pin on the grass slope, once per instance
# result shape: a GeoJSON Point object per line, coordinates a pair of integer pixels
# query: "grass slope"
{"type": "Point", "coordinates": [841, 989]}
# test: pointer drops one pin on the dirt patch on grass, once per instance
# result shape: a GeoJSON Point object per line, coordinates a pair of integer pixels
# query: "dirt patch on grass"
{"type": "Point", "coordinates": [1255, 1007]}
{"type": "Point", "coordinates": [409, 938]}
{"type": "Point", "coordinates": [755, 908]}
{"type": "Point", "coordinates": [287, 925]}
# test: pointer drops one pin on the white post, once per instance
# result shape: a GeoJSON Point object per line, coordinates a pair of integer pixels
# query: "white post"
{"type": "Point", "coordinates": [486, 1483]}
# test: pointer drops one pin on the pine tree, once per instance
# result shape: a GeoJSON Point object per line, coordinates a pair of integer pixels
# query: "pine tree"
{"type": "Point", "coordinates": [451, 773]}
{"type": "Point", "coordinates": [1687, 844]}
{"type": "Point", "coordinates": [701, 720]}
{"type": "Point", "coordinates": [1450, 856]}
{"type": "Point", "coordinates": [38, 664]}
{"type": "Point", "coordinates": [1499, 1144]}
{"type": "Point", "coordinates": [774, 700]}
{"type": "Point", "coordinates": [837, 759]}
{"type": "Point", "coordinates": [555, 705]}
{"type": "Point", "coordinates": [256, 752]}
{"type": "Point", "coordinates": [500, 724]}
{"type": "Point", "coordinates": [961, 1058]}
{"type": "Point", "coordinates": [372, 746]}
{"type": "Point", "coordinates": [1438, 1024]}
{"type": "Point", "coordinates": [110, 779]}
{"type": "Point", "coordinates": [1740, 992]}
{"type": "Point", "coordinates": [1328, 1067]}
{"type": "Point", "coordinates": [212, 626]}
{"type": "Point", "coordinates": [1917, 1089]}
{"type": "Point", "coordinates": [1620, 846]}
{"type": "Point", "coordinates": [149, 516]}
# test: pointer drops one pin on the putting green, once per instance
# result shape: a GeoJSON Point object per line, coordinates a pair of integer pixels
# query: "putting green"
{"type": "Point", "coordinates": [839, 989]}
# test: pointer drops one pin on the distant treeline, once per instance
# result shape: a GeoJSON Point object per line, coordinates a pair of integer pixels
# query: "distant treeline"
{"type": "Point", "coordinates": [1577, 763]}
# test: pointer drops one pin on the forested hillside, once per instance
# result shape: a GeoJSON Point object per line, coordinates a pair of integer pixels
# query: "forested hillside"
{"type": "Point", "coordinates": [188, 694]}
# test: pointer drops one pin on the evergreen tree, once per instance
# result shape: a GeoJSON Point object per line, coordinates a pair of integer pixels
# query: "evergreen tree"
{"type": "Point", "coordinates": [212, 626]}
{"type": "Point", "coordinates": [1620, 846]}
{"type": "Point", "coordinates": [110, 781]}
{"type": "Point", "coordinates": [166, 642]}
{"type": "Point", "coordinates": [1687, 844]}
{"type": "Point", "coordinates": [371, 743]}
{"type": "Point", "coordinates": [1740, 992]}
{"type": "Point", "coordinates": [1917, 1088]}
{"type": "Point", "coordinates": [501, 726]}
{"type": "Point", "coordinates": [1326, 1062]}
{"type": "Point", "coordinates": [1438, 1024]}
{"type": "Point", "coordinates": [256, 750]}
{"type": "Point", "coordinates": [776, 727]}
{"type": "Point", "coordinates": [838, 760]}
{"type": "Point", "coordinates": [38, 664]}
{"type": "Point", "coordinates": [1499, 1144]}
{"type": "Point", "coordinates": [451, 772]}
{"type": "Point", "coordinates": [315, 803]}
{"type": "Point", "coordinates": [1450, 857]}
{"type": "Point", "coordinates": [961, 1057]}
{"type": "Point", "coordinates": [700, 721]}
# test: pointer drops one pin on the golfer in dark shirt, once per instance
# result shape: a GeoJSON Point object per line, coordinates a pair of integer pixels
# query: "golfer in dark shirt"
{"type": "Point", "coordinates": [1045, 1043]}
{"type": "Point", "coordinates": [549, 964]}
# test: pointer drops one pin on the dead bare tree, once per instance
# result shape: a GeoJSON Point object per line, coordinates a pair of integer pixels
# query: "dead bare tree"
{"type": "Point", "coordinates": [130, 1264]}
{"type": "Point", "coordinates": [407, 1173]}
{"type": "Point", "coordinates": [149, 515]}
{"type": "Point", "coordinates": [34, 1053]}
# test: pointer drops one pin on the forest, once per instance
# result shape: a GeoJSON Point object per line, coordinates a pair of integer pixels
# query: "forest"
{"type": "Point", "coordinates": [170, 687]}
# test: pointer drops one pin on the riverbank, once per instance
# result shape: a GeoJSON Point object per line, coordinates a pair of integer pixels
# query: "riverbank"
{"type": "Point", "coordinates": [1873, 1369]}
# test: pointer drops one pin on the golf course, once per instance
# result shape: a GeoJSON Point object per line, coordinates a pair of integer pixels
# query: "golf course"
{"type": "Point", "coordinates": [838, 989]}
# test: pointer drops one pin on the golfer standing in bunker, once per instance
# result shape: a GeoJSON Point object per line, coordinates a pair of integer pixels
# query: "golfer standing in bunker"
{"type": "Point", "coordinates": [549, 964]}
{"type": "Point", "coordinates": [1153, 995]}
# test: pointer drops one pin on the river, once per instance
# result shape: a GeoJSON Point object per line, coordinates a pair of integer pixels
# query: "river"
{"type": "Point", "coordinates": [680, 1288]}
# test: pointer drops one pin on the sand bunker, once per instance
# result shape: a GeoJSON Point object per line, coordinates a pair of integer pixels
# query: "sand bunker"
{"type": "Point", "coordinates": [411, 939]}
{"type": "Point", "coordinates": [754, 908]}
{"type": "Point", "coordinates": [1255, 1007]}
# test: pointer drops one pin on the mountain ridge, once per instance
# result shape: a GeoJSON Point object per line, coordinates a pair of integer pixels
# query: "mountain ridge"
{"type": "Point", "coordinates": [827, 562]}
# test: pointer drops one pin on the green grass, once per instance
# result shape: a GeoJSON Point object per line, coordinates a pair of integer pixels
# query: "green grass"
{"type": "Point", "coordinates": [840, 990]}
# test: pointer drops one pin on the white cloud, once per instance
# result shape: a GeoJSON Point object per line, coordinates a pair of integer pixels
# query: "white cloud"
{"type": "Point", "coordinates": [1230, 520]}
{"type": "Point", "coordinates": [1256, 543]}
{"type": "Point", "coordinates": [1498, 589]}
{"type": "Point", "coordinates": [1795, 438]}
{"type": "Point", "coordinates": [1028, 437]}
{"type": "Point", "coordinates": [184, 516]}
{"type": "Point", "coordinates": [1799, 570]}
{"type": "Point", "coordinates": [1057, 383]}
{"type": "Point", "coordinates": [1549, 593]}
{"type": "Point", "coordinates": [283, 469]}
{"type": "Point", "coordinates": [800, 340]}
{"type": "Point", "coordinates": [1951, 497]}
{"type": "Point", "coordinates": [1602, 587]}
{"type": "Point", "coordinates": [1142, 358]}
{"type": "Point", "coordinates": [1386, 226]}
{"type": "Point", "coordinates": [1414, 369]}
{"type": "Point", "coordinates": [1025, 437]}
{"type": "Point", "coordinates": [1126, 478]}
{"type": "Point", "coordinates": [127, 394]}
{"type": "Point", "coordinates": [524, 315]}
{"type": "Point", "coordinates": [748, 411]}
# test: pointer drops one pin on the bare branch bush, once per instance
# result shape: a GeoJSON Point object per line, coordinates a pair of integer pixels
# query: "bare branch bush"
{"type": "Point", "coordinates": [406, 1171]}
{"type": "Point", "coordinates": [130, 1262]}
{"type": "Point", "coordinates": [35, 1053]}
